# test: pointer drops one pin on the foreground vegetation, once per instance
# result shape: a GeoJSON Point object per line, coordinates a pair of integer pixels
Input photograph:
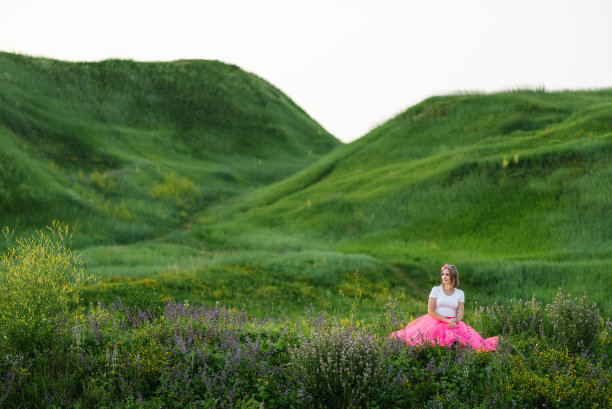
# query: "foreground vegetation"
{"type": "Point", "coordinates": [191, 356]}
{"type": "Point", "coordinates": [57, 354]}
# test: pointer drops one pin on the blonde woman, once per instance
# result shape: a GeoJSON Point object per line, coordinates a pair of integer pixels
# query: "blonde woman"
{"type": "Point", "coordinates": [443, 323]}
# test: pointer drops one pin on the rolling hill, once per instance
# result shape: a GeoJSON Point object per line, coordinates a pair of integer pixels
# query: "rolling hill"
{"type": "Point", "coordinates": [199, 181]}
{"type": "Point", "coordinates": [514, 187]}
{"type": "Point", "coordinates": [123, 151]}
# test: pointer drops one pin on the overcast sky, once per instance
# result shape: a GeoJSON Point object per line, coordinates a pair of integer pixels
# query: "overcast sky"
{"type": "Point", "coordinates": [351, 65]}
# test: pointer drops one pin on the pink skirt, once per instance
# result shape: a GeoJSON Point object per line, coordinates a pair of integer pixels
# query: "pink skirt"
{"type": "Point", "coordinates": [428, 330]}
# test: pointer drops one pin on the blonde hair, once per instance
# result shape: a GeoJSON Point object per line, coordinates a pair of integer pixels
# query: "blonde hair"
{"type": "Point", "coordinates": [454, 274]}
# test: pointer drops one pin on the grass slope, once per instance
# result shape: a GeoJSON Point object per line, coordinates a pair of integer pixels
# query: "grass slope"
{"type": "Point", "coordinates": [123, 151]}
{"type": "Point", "coordinates": [512, 187]}
{"type": "Point", "coordinates": [196, 180]}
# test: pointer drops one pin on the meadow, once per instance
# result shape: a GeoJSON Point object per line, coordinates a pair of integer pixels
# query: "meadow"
{"type": "Point", "coordinates": [217, 243]}
{"type": "Point", "coordinates": [57, 353]}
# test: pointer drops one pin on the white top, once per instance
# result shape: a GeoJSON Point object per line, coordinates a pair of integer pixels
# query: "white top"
{"type": "Point", "coordinates": [446, 305]}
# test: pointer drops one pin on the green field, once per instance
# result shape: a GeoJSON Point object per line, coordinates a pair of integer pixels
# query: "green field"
{"type": "Point", "coordinates": [217, 235]}
{"type": "Point", "coordinates": [196, 180]}
{"type": "Point", "coordinates": [510, 187]}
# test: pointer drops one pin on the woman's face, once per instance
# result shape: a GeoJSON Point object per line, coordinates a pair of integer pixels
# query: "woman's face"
{"type": "Point", "coordinates": [446, 277]}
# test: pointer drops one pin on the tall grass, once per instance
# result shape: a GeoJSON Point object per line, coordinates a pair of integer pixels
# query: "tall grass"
{"type": "Point", "coordinates": [264, 282]}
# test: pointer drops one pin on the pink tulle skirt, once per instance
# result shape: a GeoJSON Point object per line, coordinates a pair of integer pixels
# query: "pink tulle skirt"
{"type": "Point", "coordinates": [428, 330]}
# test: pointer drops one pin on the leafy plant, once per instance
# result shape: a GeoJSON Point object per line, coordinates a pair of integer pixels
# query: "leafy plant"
{"type": "Point", "coordinates": [568, 322]}
{"type": "Point", "coordinates": [516, 318]}
{"type": "Point", "coordinates": [339, 367]}
{"type": "Point", "coordinates": [573, 323]}
{"type": "Point", "coordinates": [556, 378]}
{"type": "Point", "coordinates": [40, 276]}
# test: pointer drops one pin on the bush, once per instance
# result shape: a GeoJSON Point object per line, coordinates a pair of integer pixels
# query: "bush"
{"type": "Point", "coordinates": [573, 323]}
{"type": "Point", "coordinates": [551, 377]}
{"type": "Point", "coordinates": [340, 367]}
{"type": "Point", "coordinates": [568, 322]}
{"type": "Point", "coordinates": [39, 277]}
{"type": "Point", "coordinates": [517, 318]}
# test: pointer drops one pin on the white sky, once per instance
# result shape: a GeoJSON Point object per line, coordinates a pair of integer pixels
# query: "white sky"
{"type": "Point", "coordinates": [350, 64]}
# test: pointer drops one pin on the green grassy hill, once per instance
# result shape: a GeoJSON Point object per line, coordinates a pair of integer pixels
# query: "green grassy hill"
{"type": "Point", "coordinates": [511, 187]}
{"type": "Point", "coordinates": [199, 181]}
{"type": "Point", "coordinates": [124, 151]}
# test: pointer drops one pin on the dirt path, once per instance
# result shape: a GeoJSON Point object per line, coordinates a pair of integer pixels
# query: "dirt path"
{"type": "Point", "coordinates": [403, 276]}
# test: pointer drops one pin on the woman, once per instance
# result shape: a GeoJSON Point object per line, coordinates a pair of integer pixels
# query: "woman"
{"type": "Point", "coordinates": [442, 325]}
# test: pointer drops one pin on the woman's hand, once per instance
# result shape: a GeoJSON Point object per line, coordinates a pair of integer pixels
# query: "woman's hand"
{"type": "Point", "coordinates": [453, 323]}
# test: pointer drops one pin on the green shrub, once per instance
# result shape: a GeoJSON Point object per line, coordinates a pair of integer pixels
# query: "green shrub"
{"type": "Point", "coordinates": [517, 318]}
{"type": "Point", "coordinates": [339, 367]}
{"type": "Point", "coordinates": [552, 377]}
{"type": "Point", "coordinates": [568, 322]}
{"type": "Point", "coordinates": [573, 323]}
{"type": "Point", "coordinates": [39, 277]}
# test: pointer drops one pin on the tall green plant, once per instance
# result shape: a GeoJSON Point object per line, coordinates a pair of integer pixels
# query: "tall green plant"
{"type": "Point", "coordinates": [572, 323]}
{"type": "Point", "coordinates": [39, 276]}
{"type": "Point", "coordinates": [340, 367]}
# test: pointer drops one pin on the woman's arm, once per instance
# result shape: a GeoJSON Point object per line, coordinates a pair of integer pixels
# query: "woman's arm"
{"type": "Point", "coordinates": [431, 310]}
{"type": "Point", "coordinates": [459, 316]}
